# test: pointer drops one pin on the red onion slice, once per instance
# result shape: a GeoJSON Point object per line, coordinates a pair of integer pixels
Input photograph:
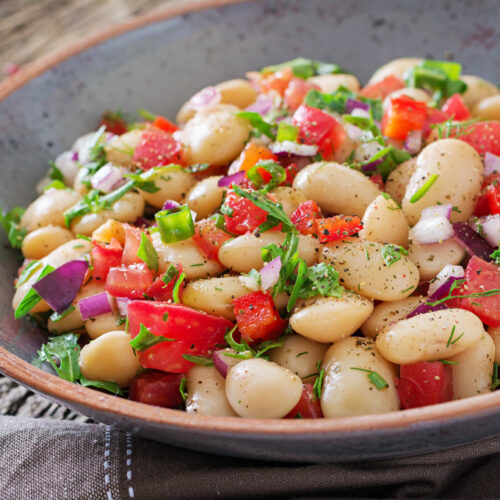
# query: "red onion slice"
{"type": "Point", "coordinates": [491, 164]}
{"type": "Point", "coordinates": [443, 277]}
{"type": "Point", "coordinates": [354, 133]}
{"type": "Point", "coordinates": [59, 288]}
{"type": "Point", "coordinates": [74, 156]}
{"type": "Point", "coordinates": [270, 273]}
{"type": "Point", "coordinates": [223, 362]}
{"type": "Point", "coordinates": [107, 178]}
{"type": "Point", "coordinates": [169, 204]}
{"type": "Point", "coordinates": [472, 241]}
{"type": "Point", "coordinates": [262, 105]}
{"type": "Point", "coordinates": [292, 148]}
{"type": "Point", "coordinates": [437, 211]}
{"type": "Point", "coordinates": [236, 178]}
{"type": "Point", "coordinates": [431, 230]}
{"type": "Point", "coordinates": [352, 104]}
{"type": "Point", "coordinates": [491, 229]}
{"type": "Point", "coordinates": [96, 305]}
{"type": "Point", "coordinates": [122, 305]}
{"type": "Point", "coordinates": [205, 98]}
{"type": "Point", "coordinates": [413, 142]}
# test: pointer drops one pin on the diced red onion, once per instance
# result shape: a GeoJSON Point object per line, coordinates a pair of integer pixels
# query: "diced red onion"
{"type": "Point", "coordinates": [413, 142]}
{"type": "Point", "coordinates": [94, 306]}
{"type": "Point", "coordinates": [108, 136]}
{"type": "Point", "coordinates": [370, 167]}
{"type": "Point", "coordinates": [270, 273]}
{"type": "Point", "coordinates": [177, 135]}
{"type": "Point", "coordinates": [354, 133]}
{"type": "Point", "coordinates": [66, 161]}
{"type": "Point", "coordinates": [142, 222]}
{"type": "Point", "coordinates": [491, 163]}
{"type": "Point", "coordinates": [221, 362]}
{"type": "Point", "coordinates": [433, 226]}
{"type": "Point", "coordinates": [122, 305]}
{"type": "Point", "coordinates": [289, 147]}
{"type": "Point", "coordinates": [262, 105]}
{"type": "Point", "coordinates": [205, 98]}
{"type": "Point", "coordinates": [491, 229]}
{"type": "Point", "coordinates": [437, 211]}
{"type": "Point", "coordinates": [352, 104]}
{"type": "Point", "coordinates": [169, 204]}
{"type": "Point", "coordinates": [59, 288]}
{"type": "Point", "coordinates": [107, 178]}
{"type": "Point", "coordinates": [236, 178]}
{"type": "Point", "coordinates": [472, 241]}
{"type": "Point", "coordinates": [74, 156]}
{"type": "Point", "coordinates": [443, 277]}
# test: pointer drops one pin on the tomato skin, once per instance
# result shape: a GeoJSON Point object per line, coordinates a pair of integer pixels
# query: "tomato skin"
{"type": "Point", "coordinates": [482, 206]}
{"type": "Point", "coordinates": [105, 257]}
{"type": "Point", "coordinates": [425, 383]}
{"type": "Point", "coordinates": [382, 89]}
{"type": "Point", "coordinates": [157, 148]}
{"type": "Point", "coordinates": [403, 115]}
{"type": "Point", "coordinates": [277, 81]}
{"type": "Point", "coordinates": [492, 194]}
{"type": "Point", "coordinates": [296, 92]}
{"type": "Point", "coordinates": [130, 248]}
{"type": "Point", "coordinates": [434, 116]}
{"type": "Point", "coordinates": [114, 123]}
{"type": "Point", "coordinates": [161, 291]}
{"type": "Point", "coordinates": [157, 388]}
{"type": "Point", "coordinates": [338, 227]}
{"type": "Point", "coordinates": [209, 238]}
{"type": "Point", "coordinates": [378, 180]}
{"type": "Point", "coordinates": [257, 317]}
{"type": "Point", "coordinates": [166, 125]}
{"type": "Point", "coordinates": [309, 406]}
{"type": "Point", "coordinates": [456, 108]}
{"type": "Point", "coordinates": [482, 136]}
{"type": "Point", "coordinates": [246, 216]}
{"type": "Point", "coordinates": [481, 276]}
{"type": "Point", "coordinates": [304, 217]}
{"type": "Point", "coordinates": [131, 281]}
{"type": "Point", "coordinates": [196, 333]}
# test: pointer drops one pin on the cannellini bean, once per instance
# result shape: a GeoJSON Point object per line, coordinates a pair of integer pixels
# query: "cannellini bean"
{"type": "Point", "coordinates": [214, 296]}
{"type": "Point", "coordinates": [416, 94]}
{"type": "Point", "coordinates": [328, 319]}
{"type": "Point", "coordinates": [120, 149]}
{"type": "Point", "coordinates": [173, 183]}
{"type": "Point", "coordinates": [397, 67]}
{"type": "Point", "coordinates": [460, 172]}
{"type": "Point", "coordinates": [103, 324]}
{"type": "Point", "coordinates": [256, 388]}
{"type": "Point", "coordinates": [431, 258]}
{"type": "Point", "coordinates": [349, 392]}
{"type": "Point", "coordinates": [385, 222]}
{"type": "Point", "coordinates": [109, 230]}
{"type": "Point", "coordinates": [488, 108]}
{"type": "Point", "coordinates": [290, 198]}
{"type": "Point", "coordinates": [494, 332]}
{"type": "Point", "coordinates": [48, 209]}
{"type": "Point", "coordinates": [126, 209]}
{"type": "Point", "coordinates": [399, 178]}
{"type": "Point", "coordinates": [215, 137]}
{"type": "Point", "coordinates": [243, 253]}
{"type": "Point", "coordinates": [472, 373]}
{"type": "Point", "coordinates": [300, 355]}
{"type": "Point", "coordinates": [328, 84]}
{"type": "Point", "coordinates": [430, 336]}
{"type": "Point", "coordinates": [110, 358]}
{"type": "Point", "coordinates": [361, 268]}
{"type": "Point", "coordinates": [477, 89]}
{"type": "Point", "coordinates": [80, 184]}
{"type": "Point", "coordinates": [206, 392]}
{"type": "Point", "coordinates": [205, 197]}
{"type": "Point", "coordinates": [41, 242]}
{"type": "Point", "coordinates": [186, 253]}
{"type": "Point", "coordinates": [336, 188]}
{"type": "Point", "coordinates": [68, 167]}
{"type": "Point", "coordinates": [387, 314]}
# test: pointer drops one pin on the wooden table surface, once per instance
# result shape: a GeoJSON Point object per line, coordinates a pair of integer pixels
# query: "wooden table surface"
{"type": "Point", "coordinates": [28, 30]}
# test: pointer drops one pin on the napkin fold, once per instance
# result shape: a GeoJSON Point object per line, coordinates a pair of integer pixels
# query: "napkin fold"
{"type": "Point", "coordinates": [49, 460]}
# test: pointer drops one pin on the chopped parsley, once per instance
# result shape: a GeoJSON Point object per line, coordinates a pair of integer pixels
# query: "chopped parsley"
{"type": "Point", "coordinates": [392, 254]}
{"type": "Point", "coordinates": [199, 360]}
{"type": "Point", "coordinates": [452, 340]}
{"type": "Point", "coordinates": [175, 292]}
{"type": "Point", "coordinates": [145, 339]}
{"type": "Point", "coordinates": [11, 224]}
{"type": "Point", "coordinates": [305, 68]}
{"type": "Point", "coordinates": [376, 379]}
{"type": "Point", "coordinates": [318, 384]}
{"type": "Point", "coordinates": [495, 381]}
{"type": "Point", "coordinates": [422, 191]}
{"type": "Point", "coordinates": [258, 122]}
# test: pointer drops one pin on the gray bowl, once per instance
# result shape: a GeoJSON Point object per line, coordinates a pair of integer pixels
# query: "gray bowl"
{"type": "Point", "coordinates": [159, 61]}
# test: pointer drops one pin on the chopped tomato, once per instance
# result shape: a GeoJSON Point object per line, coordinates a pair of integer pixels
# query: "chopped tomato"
{"type": "Point", "coordinates": [483, 202]}
{"type": "Point", "coordinates": [157, 388]}
{"type": "Point", "coordinates": [309, 406]}
{"type": "Point", "coordinates": [157, 148]}
{"type": "Point", "coordinates": [195, 333]}
{"type": "Point", "coordinates": [291, 172]}
{"type": "Point", "coordinates": [482, 136]}
{"type": "Point", "coordinates": [104, 257]}
{"type": "Point", "coordinates": [296, 92]}
{"type": "Point", "coordinates": [382, 89]}
{"type": "Point", "coordinates": [165, 125]}
{"type": "Point", "coordinates": [434, 116]}
{"type": "Point", "coordinates": [132, 241]}
{"type": "Point", "coordinates": [304, 217]}
{"type": "Point", "coordinates": [481, 276]}
{"type": "Point", "coordinates": [160, 290]}
{"type": "Point", "coordinates": [277, 81]}
{"type": "Point", "coordinates": [131, 281]}
{"type": "Point", "coordinates": [252, 154]}
{"type": "Point", "coordinates": [403, 115]}
{"type": "Point", "coordinates": [338, 227]}
{"type": "Point", "coordinates": [257, 317]}
{"type": "Point", "coordinates": [245, 215]}
{"type": "Point", "coordinates": [482, 206]}
{"type": "Point", "coordinates": [114, 123]}
{"type": "Point", "coordinates": [493, 198]}
{"type": "Point", "coordinates": [378, 180]}
{"type": "Point", "coordinates": [425, 383]}
{"type": "Point", "coordinates": [456, 108]}
{"type": "Point", "coordinates": [209, 238]}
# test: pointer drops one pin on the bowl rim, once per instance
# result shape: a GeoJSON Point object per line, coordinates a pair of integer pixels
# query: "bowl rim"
{"type": "Point", "coordinates": [64, 391]}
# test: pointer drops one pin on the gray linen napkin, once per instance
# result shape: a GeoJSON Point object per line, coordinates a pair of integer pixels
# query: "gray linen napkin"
{"type": "Point", "coordinates": [46, 460]}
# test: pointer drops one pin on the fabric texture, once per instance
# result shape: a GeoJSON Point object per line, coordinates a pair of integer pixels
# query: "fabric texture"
{"type": "Point", "coordinates": [48, 460]}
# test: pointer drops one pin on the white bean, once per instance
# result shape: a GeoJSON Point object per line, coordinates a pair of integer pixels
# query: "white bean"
{"type": "Point", "coordinates": [120, 149]}
{"type": "Point", "coordinates": [205, 197]}
{"type": "Point", "coordinates": [488, 108]}
{"type": "Point", "coordinates": [477, 89]}
{"type": "Point", "coordinates": [105, 323]}
{"type": "Point", "coordinates": [415, 93]}
{"type": "Point", "coordinates": [41, 242]}
{"type": "Point", "coordinates": [494, 332]}
{"type": "Point", "coordinates": [290, 198]}
{"type": "Point", "coordinates": [396, 67]}
{"type": "Point", "coordinates": [399, 178]}
{"type": "Point", "coordinates": [331, 83]}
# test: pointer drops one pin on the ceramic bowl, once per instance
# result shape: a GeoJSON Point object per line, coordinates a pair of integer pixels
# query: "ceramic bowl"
{"type": "Point", "coordinates": [157, 62]}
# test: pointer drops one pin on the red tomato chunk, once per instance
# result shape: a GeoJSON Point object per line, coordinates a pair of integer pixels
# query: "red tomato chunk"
{"type": "Point", "coordinates": [105, 257]}
{"type": "Point", "coordinates": [209, 238]}
{"type": "Point", "coordinates": [309, 406]}
{"type": "Point", "coordinates": [338, 227]}
{"type": "Point", "coordinates": [157, 148]}
{"type": "Point", "coordinates": [131, 281]}
{"type": "Point", "coordinates": [157, 388]}
{"type": "Point", "coordinates": [245, 215]}
{"type": "Point", "coordinates": [403, 115]}
{"type": "Point", "coordinates": [160, 290]}
{"type": "Point", "coordinates": [304, 217]}
{"type": "Point", "coordinates": [382, 89]}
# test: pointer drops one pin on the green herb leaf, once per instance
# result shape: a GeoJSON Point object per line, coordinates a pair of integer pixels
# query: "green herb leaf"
{"type": "Point", "coordinates": [55, 185]}
{"type": "Point", "coordinates": [258, 122]}
{"type": "Point", "coordinates": [108, 386]}
{"type": "Point", "coordinates": [199, 360]}
{"type": "Point", "coordinates": [318, 384]}
{"type": "Point", "coordinates": [27, 272]}
{"type": "Point", "coordinates": [32, 298]}
{"type": "Point", "coordinates": [11, 224]}
{"type": "Point", "coordinates": [55, 173]}
{"type": "Point", "coordinates": [175, 292]}
{"type": "Point", "coordinates": [196, 167]}
{"type": "Point", "coordinates": [423, 190]}
{"type": "Point", "coordinates": [287, 132]}
{"type": "Point", "coordinates": [495, 381]}
{"type": "Point", "coordinates": [454, 286]}
{"type": "Point", "coordinates": [392, 254]}
{"type": "Point", "coordinates": [277, 172]}
{"type": "Point", "coordinates": [147, 253]}
{"type": "Point", "coordinates": [374, 378]}
{"type": "Point", "coordinates": [496, 256]}
{"type": "Point", "coordinates": [62, 353]}
{"type": "Point", "coordinates": [145, 339]}
{"type": "Point", "coordinates": [169, 275]}
{"type": "Point", "coordinates": [147, 115]}
{"type": "Point", "coordinates": [55, 317]}
{"type": "Point", "coordinates": [182, 388]}
{"type": "Point", "coordinates": [305, 68]}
